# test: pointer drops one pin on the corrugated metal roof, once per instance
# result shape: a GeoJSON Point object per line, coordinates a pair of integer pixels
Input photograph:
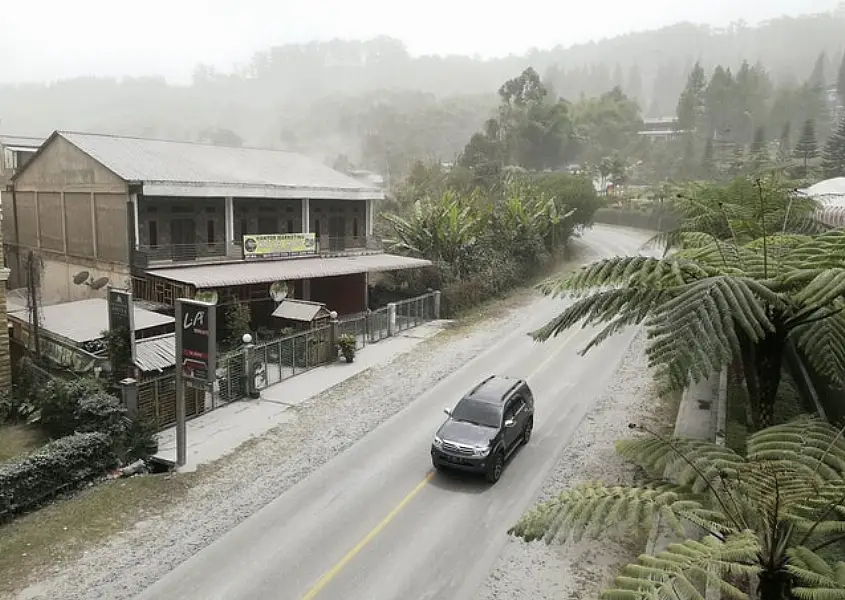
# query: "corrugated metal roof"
{"type": "Point", "coordinates": [21, 141]}
{"type": "Point", "coordinates": [191, 169]}
{"type": "Point", "coordinates": [85, 320]}
{"type": "Point", "coordinates": [215, 276]}
{"type": "Point", "coordinates": [299, 310]}
{"type": "Point", "coordinates": [156, 353]}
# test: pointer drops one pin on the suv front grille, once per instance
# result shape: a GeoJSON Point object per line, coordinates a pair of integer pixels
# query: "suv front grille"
{"type": "Point", "coordinates": [457, 448]}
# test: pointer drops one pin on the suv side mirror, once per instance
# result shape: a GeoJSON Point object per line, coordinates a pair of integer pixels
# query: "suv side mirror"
{"type": "Point", "coordinates": [510, 423]}
{"type": "Point", "coordinates": [448, 412]}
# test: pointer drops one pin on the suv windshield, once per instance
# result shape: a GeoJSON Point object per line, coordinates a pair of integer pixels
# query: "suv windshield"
{"type": "Point", "coordinates": [478, 413]}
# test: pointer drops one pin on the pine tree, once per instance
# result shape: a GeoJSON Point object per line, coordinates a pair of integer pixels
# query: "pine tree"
{"type": "Point", "coordinates": [691, 102]}
{"type": "Point", "coordinates": [817, 77]}
{"type": "Point", "coordinates": [784, 144]}
{"type": "Point", "coordinates": [833, 157]}
{"type": "Point", "coordinates": [807, 147]}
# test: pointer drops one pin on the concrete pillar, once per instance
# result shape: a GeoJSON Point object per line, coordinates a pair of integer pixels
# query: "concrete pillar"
{"type": "Point", "coordinates": [306, 215]}
{"type": "Point", "coordinates": [334, 336]}
{"type": "Point", "coordinates": [129, 393]}
{"type": "Point", "coordinates": [437, 295]}
{"type": "Point", "coordinates": [230, 219]}
{"type": "Point", "coordinates": [369, 213]}
{"type": "Point", "coordinates": [136, 222]}
{"type": "Point", "coordinates": [391, 319]}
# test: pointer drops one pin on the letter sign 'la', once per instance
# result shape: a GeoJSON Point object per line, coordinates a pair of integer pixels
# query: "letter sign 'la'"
{"type": "Point", "coordinates": [190, 323]}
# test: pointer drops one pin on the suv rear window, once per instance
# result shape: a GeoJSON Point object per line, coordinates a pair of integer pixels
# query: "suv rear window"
{"type": "Point", "coordinates": [479, 413]}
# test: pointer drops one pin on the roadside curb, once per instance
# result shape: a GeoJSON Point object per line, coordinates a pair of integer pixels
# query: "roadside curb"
{"type": "Point", "coordinates": [702, 415]}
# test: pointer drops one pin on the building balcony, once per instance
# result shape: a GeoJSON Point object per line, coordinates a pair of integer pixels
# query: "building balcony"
{"type": "Point", "coordinates": [203, 253]}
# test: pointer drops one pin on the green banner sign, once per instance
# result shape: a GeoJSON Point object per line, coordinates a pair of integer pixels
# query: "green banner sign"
{"type": "Point", "coordinates": [279, 245]}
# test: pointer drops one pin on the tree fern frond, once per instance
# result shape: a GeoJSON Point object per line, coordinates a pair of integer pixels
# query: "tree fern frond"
{"type": "Point", "coordinates": [826, 287]}
{"type": "Point", "coordinates": [684, 462]}
{"type": "Point", "coordinates": [587, 509]}
{"type": "Point", "coordinates": [625, 271]}
{"type": "Point", "coordinates": [808, 440]}
{"type": "Point", "coordinates": [684, 570]}
{"type": "Point", "coordinates": [697, 331]}
{"type": "Point", "coordinates": [815, 578]}
{"type": "Point", "coordinates": [823, 343]}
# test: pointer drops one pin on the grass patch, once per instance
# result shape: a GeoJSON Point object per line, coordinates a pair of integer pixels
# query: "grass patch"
{"type": "Point", "coordinates": [18, 439]}
{"type": "Point", "coordinates": [63, 530]}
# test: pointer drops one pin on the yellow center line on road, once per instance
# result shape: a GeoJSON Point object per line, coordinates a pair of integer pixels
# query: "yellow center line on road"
{"type": "Point", "coordinates": [333, 572]}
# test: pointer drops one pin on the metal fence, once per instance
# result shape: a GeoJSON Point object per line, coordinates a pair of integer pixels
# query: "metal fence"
{"type": "Point", "coordinates": [272, 362]}
{"type": "Point", "coordinates": [157, 401]}
{"type": "Point", "coordinates": [414, 311]}
{"type": "Point", "coordinates": [277, 360]}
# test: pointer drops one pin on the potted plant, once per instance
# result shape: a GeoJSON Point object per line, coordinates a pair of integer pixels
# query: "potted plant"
{"type": "Point", "coordinates": [346, 343]}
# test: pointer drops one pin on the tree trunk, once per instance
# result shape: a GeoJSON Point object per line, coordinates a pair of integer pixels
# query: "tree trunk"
{"type": "Point", "coordinates": [768, 357]}
{"type": "Point", "coordinates": [775, 585]}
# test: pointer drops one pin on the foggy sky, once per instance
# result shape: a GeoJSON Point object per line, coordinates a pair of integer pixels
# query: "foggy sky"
{"type": "Point", "coordinates": [54, 39]}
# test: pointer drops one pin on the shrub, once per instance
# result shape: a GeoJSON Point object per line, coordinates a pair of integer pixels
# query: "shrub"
{"type": "Point", "coordinates": [59, 465]}
{"type": "Point", "coordinates": [101, 412]}
{"type": "Point", "coordinates": [139, 440]}
{"type": "Point", "coordinates": [58, 403]}
{"type": "Point", "coordinates": [15, 407]}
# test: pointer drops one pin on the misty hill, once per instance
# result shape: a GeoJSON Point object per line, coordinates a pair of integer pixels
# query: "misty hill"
{"type": "Point", "coordinates": [343, 96]}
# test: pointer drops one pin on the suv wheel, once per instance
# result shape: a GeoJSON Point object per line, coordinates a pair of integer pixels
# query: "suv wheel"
{"type": "Point", "coordinates": [526, 433]}
{"type": "Point", "coordinates": [494, 471]}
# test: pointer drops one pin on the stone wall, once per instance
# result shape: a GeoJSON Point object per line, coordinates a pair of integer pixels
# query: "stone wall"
{"type": "Point", "coordinates": [5, 360]}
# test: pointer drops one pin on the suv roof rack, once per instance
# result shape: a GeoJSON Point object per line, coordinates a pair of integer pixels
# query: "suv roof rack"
{"type": "Point", "coordinates": [500, 392]}
{"type": "Point", "coordinates": [479, 385]}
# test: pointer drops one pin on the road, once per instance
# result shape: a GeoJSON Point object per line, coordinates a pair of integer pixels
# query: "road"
{"type": "Point", "coordinates": [376, 523]}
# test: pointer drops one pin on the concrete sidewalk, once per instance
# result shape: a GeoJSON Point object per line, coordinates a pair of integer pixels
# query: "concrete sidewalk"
{"type": "Point", "coordinates": [217, 433]}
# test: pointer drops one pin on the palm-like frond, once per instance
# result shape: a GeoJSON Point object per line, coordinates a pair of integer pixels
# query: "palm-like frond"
{"type": "Point", "coordinates": [816, 579]}
{"type": "Point", "coordinates": [697, 331]}
{"type": "Point", "coordinates": [684, 570]}
{"type": "Point", "coordinates": [590, 509]}
{"type": "Point", "coordinates": [822, 341]}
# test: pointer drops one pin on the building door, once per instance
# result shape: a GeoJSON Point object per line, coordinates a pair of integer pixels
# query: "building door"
{"type": "Point", "coordinates": [337, 233]}
{"type": "Point", "coordinates": [183, 239]}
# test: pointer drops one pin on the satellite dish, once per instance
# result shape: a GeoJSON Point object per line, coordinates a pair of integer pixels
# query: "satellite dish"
{"type": "Point", "coordinates": [279, 291]}
{"type": "Point", "coordinates": [98, 283]}
{"type": "Point", "coordinates": [209, 296]}
{"type": "Point", "coordinates": [80, 277]}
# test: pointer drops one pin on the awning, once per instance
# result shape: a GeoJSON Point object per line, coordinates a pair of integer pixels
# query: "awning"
{"type": "Point", "coordinates": [300, 310]}
{"type": "Point", "coordinates": [246, 273]}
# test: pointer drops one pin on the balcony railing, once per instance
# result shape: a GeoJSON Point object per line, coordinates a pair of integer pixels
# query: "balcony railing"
{"type": "Point", "coordinates": [148, 256]}
{"type": "Point", "coordinates": [145, 256]}
{"type": "Point", "coordinates": [332, 245]}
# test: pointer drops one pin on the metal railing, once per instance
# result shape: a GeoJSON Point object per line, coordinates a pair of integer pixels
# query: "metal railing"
{"type": "Point", "coordinates": [414, 311]}
{"type": "Point", "coordinates": [157, 401]}
{"type": "Point", "coordinates": [332, 244]}
{"type": "Point", "coordinates": [144, 256]}
{"type": "Point", "coordinates": [272, 362]}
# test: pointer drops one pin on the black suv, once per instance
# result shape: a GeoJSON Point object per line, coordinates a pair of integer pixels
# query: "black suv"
{"type": "Point", "coordinates": [485, 427]}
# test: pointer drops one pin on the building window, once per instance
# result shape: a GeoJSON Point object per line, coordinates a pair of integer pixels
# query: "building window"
{"type": "Point", "coordinates": [317, 227]}
{"type": "Point", "coordinates": [210, 231]}
{"type": "Point", "coordinates": [355, 227]}
{"type": "Point", "coordinates": [290, 225]}
{"type": "Point", "coordinates": [153, 231]}
{"type": "Point", "coordinates": [244, 227]}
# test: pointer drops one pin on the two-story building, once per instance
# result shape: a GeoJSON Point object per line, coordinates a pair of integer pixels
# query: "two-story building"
{"type": "Point", "coordinates": [172, 219]}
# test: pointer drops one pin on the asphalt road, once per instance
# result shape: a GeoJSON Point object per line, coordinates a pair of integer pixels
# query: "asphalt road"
{"type": "Point", "coordinates": [376, 523]}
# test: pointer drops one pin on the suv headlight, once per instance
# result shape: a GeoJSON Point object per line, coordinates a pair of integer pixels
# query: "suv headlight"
{"type": "Point", "coordinates": [437, 443]}
{"type": "Point", "coordinates": [481, 450]}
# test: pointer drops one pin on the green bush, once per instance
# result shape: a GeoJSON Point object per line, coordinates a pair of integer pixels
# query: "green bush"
{"type": "Point", "coordinates": [57, 466]}
{"type": "Point", "coordinates": [15, 407]}
{"type": "Point", "coordinates": [101, 412]}
{"type": "Point", "coordinates": [58, 404]}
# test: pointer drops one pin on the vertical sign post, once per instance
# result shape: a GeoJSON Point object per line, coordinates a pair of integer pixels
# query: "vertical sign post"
{"type": "Point", "coordinates": [196, 356]}
{"type": "Point", "coordinates": [122, 315]}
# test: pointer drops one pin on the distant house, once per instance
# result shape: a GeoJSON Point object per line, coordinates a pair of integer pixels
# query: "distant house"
{"type": "Point", "coordinates": [660, 128]}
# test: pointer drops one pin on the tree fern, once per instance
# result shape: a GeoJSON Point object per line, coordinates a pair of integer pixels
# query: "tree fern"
{"type": "Point", "coordinates": [764, 513]}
